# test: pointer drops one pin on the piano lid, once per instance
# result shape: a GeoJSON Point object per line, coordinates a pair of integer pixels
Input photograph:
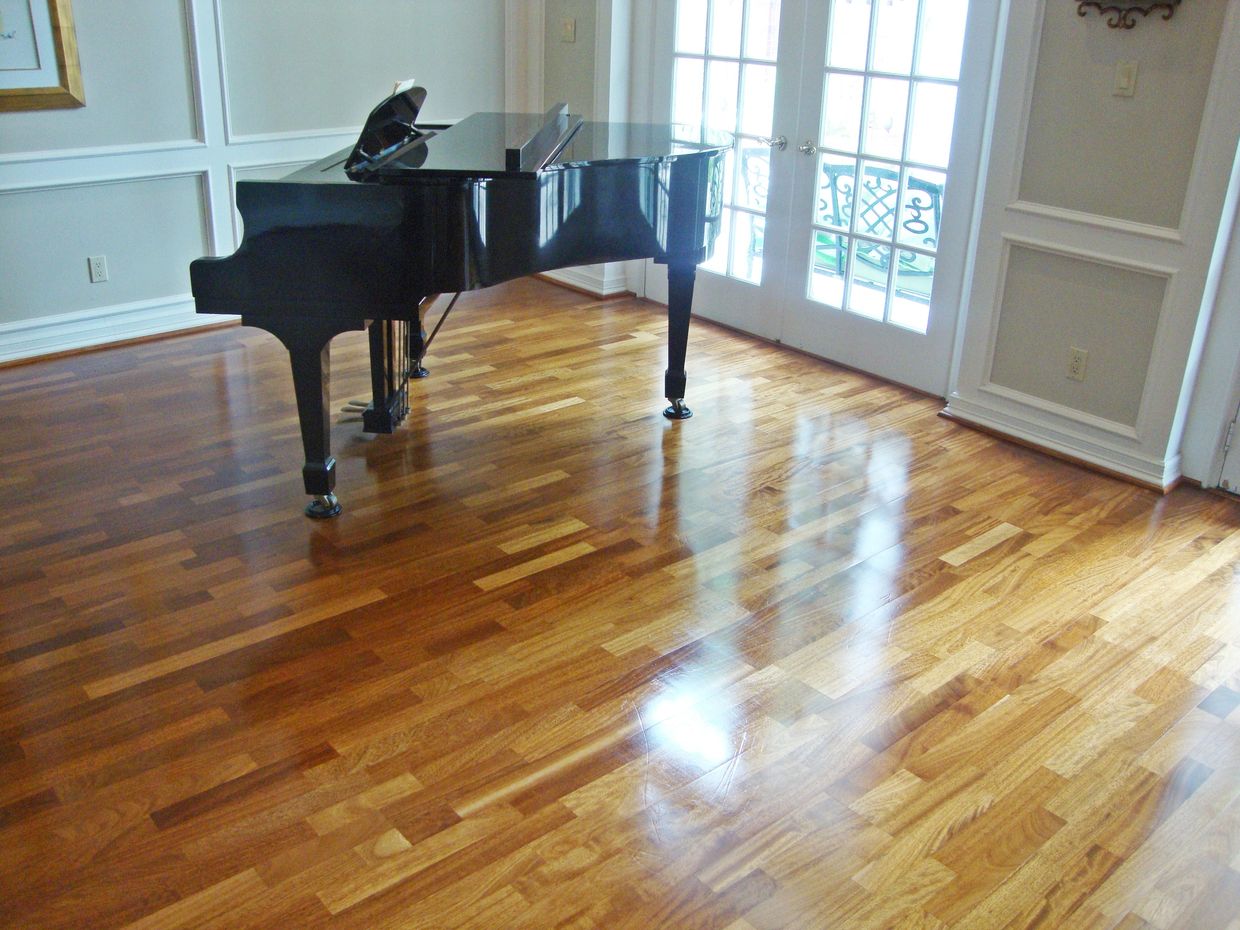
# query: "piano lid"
{"type": "Point", "coordinates": [477, 147]}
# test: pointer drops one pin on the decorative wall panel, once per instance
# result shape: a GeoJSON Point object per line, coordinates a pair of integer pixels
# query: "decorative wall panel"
{"type": "Point", "coordinates": [1129, 158]}
{"type": "Point", "coordinates": [138, 78]}
{"type": "Point", "coordinates": [1111, 313]}
{"type": "Point", "coordinates": [146, 259]}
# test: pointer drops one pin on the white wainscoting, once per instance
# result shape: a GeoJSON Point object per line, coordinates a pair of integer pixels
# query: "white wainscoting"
{"type": "Point", "coordinates": [100, 326]}
{"type": "Point", "coordinates": [208, 155]}
{"type": "Point", "coordinates": [48, 296]}
{"type": "Point", "coordinates": [1148, 451]}
{"type": "Point", "coordinates": [216, 153]}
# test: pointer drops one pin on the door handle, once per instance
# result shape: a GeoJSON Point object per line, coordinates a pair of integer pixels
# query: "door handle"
{"type": "Point", "coordinates": [807, 148]}
{"type": "Point", "coordinates": [775, 142]}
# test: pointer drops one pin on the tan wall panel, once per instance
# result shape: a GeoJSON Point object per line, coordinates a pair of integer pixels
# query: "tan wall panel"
{"type": "Point", "coordinates": [1123, 157]}
{"type": "Point", "coordinates": [1053, 302]}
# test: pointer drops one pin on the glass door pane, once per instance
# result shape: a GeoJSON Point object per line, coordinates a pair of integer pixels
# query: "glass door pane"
{"type": "Point", "coordinates": [850, 243]}
{"type": "Point", "coordinates": [889, 103]}
{"type": "Point", "coordinates": [723, 75]}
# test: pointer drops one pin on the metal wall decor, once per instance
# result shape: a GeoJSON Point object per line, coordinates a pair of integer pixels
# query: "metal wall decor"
{"type": "Point", "coordinates": [1122, 14]}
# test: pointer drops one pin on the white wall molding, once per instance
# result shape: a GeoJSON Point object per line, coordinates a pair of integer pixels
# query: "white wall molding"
{"type": "Point", "coordinates": [99, 326]}
{"type": "Point", "coordinates": [101, 181]}
{"type": "Point", "coordinates": [221, 71]}
{"type": "Point", "coordinates": [1145, 263]}
{"type": "Point", "coordinates": [103, 151]}
{"type": "Point", "coordinates": [1067, 441]}
{"type": "Point", "coordinates": [118, 166]}
{"type": "Point", "coordinates": [651, 37]}
{"type": "Point", "coordinates": [214, 156]}
{"type": "Point", "coordinates": [196, 70]}
{"type": "Point", "coordinates": [277, 138]}
{"type": "Point", "coordinates": [1181, 256]}
{"type": "Point", "coordinates": [1063, 417]}
{"type": "Point", "coordinates": [1096, 221]}
{"type": "Point", "coordinates": [1068, 435]}
{"type": "Point", "coordinates": [613, 44]}
{"type": "Point", "coordinates": [1092, 241]}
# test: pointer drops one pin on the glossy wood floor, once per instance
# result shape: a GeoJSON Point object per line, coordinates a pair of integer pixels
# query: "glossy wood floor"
{"type": "Point", "coordinates": [814, 658]}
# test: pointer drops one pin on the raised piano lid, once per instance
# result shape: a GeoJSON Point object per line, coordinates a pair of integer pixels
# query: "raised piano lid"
{"type": "Point", "coordinates": [476, 148]}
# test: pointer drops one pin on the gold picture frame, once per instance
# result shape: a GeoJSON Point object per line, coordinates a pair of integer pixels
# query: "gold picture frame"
{"type": "Point", "coordinates": [48, 29]}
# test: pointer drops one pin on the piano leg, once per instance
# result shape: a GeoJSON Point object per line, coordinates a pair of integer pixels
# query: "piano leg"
{"type": "Point", "coordinates": [417, 342]}
{"type": "Point", "coordinates": [679, 302]}
{"type": "Point", "coordinates": [397, 348]}
{"type": "Point", "coordinates": [308, 342]}
{"type": "Point", "coordinates": [389, 374]}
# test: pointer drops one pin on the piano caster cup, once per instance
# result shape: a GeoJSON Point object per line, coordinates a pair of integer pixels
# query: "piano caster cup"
{"type": "Point", "coordinates": [323, 506]}
{"type": "Point", "coordinates": [419, 372]}
{"type": "Point", "coordinates": [678, 410]}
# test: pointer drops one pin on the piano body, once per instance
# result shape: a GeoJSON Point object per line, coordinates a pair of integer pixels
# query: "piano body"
{"type": "Point", "coordinates": [369, 237]}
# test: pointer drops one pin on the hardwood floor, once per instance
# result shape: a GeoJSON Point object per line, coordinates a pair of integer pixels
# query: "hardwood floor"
{"type": "Point", "coordinates": [814, 658]}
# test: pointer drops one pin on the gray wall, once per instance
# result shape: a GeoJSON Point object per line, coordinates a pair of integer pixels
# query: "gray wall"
{"type": "Point", "coordinates": [135, 57]}
{"type": "Point", "coordinates": [143, 173]}
{"type": "Point", "coordinates": [317, 63]}
{"type": "Point", "coordinates": [568, 67]}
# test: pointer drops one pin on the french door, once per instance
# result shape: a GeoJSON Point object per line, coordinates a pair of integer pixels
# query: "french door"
{"type": "Point", "coordinates": [850, 192]}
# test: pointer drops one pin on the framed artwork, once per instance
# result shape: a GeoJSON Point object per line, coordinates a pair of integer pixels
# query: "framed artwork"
{"type": "Point", "coordinates": [39, 67]}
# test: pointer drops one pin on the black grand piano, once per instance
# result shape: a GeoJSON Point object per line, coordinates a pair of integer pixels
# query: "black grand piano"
{"type": "Point", "coordinates": [371, 236]}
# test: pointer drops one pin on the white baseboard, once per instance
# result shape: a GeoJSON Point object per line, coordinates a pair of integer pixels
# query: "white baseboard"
{"type": "Point", "coordinates": [600, 280]}
{"type": "Point", "coordinates": [99, 326]}
{"type": "Point", "coordinates": [1106, 453]}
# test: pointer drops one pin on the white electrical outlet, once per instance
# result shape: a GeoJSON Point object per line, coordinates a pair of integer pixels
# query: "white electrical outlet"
{"type": "Point", "coordinates": [98, 268]}
{"type": "Point", "coordinates": [1076, 363]}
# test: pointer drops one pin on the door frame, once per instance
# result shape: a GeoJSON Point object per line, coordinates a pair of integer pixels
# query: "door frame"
{"type": "Point", "coordinates": [1216, 394]}
{"type": "Point", "coordinates": [653, 82]}
{"type": "Point", "coordinates": [651, 101]}
{"type": "Point", "coordinates": [958, 235]}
